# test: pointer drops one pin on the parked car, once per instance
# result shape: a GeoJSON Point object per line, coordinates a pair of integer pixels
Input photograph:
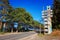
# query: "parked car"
{"type": "Point", "coordinates": [31, 28]}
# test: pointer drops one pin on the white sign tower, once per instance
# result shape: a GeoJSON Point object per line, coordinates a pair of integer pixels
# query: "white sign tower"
{"type": "Point", "coordinates": [46, 15]}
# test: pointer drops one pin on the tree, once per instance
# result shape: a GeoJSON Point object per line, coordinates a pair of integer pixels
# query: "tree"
{"type": "Point", "coordinates": [36, 24]}
{"type": "Point", "coordinates": [3, 10]}
{"type": "Point", "coordinates": [20, 15]}
{"type": "Point", "coordinates": [28, 18]}
{"type": "Point", "coordinates": [16, 15]}
{"type": "Point", "coordinates": [56, 14]}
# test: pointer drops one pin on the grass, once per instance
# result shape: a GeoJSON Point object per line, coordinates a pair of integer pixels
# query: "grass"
{"type": "Point", "coordinates": [40, 35]}
{"type": "Point", "coordinates": [2, 32]}
{"type": "Point", "coordinates": [55, 33]}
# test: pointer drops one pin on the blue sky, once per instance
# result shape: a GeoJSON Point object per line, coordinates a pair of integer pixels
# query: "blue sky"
{"type": "Point", "coordinates": [33, 6]}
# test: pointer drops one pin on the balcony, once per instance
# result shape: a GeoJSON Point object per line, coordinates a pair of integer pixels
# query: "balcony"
{"type": "Point", "coordinates": [45, 22]}
{"type": "Point", "coordinates": [45, 26]}
{"type": "Point", "coordinates": [45, 29]}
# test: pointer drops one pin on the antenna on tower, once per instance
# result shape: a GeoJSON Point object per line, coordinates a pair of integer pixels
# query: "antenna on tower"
{"type": "Point", "coordinates": [43, 5]}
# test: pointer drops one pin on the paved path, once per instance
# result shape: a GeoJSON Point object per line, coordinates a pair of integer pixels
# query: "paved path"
{"type": "Point", "coordinates": [16, 36]}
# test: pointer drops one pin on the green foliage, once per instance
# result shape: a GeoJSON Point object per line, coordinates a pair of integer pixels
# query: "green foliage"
{"type": "Point", "coordinates": [36, 24]}
{"type": "Point", "coordinates": [56, 14]}
{"type": "Point", "coordinates": [18, 15]}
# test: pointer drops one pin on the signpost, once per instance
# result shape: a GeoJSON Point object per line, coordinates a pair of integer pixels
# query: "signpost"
{"type": "Point", "coordinates": [16, 26]}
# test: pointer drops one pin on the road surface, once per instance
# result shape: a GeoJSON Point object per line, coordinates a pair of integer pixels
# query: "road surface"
{"type": "Point", "coordinates": [16, 36]}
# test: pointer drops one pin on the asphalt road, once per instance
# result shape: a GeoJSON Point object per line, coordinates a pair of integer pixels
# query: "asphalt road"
{"type": "Point", "coordinates": [16, 36]}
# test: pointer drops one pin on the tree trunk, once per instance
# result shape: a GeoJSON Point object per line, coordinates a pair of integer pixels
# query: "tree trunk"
{"type": "Point", "coordinates": [4, 25]}
{"type": "Point", "coordinates": [12, 30]}
{"type": "Point", "coordinates": [17, 30]}
{"type": "Point", "coordinates": [0, 26]}
{"type": "Point", "coordinates": [11, 27]}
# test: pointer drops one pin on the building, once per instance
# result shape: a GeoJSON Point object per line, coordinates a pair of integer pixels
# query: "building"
{"type": "Point", "coordinates": [46, 15]}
